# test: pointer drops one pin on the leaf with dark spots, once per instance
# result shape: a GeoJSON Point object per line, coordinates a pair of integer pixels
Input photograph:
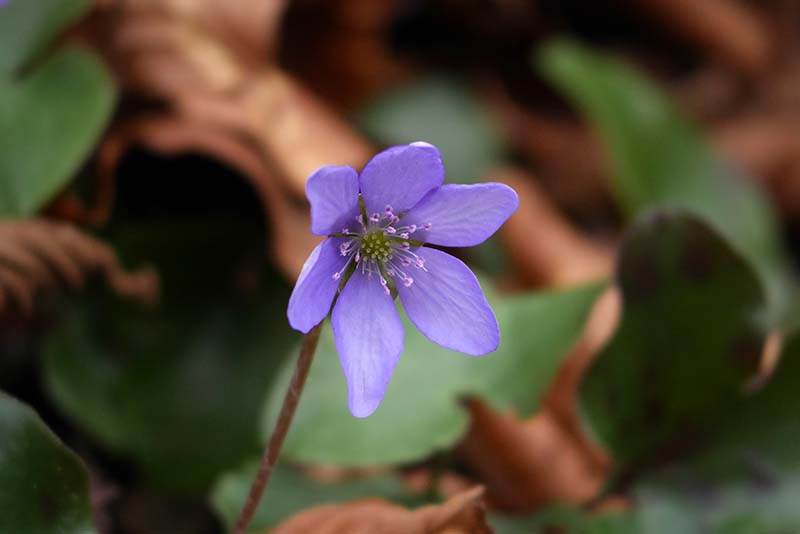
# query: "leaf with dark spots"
{"type": "Point", "coordinates": [747, 477]}
{"type": "Point", "coordinates": [659, 159]}
{"type": "Point", "coordinates": [685, 346]}
{"type": "Point", "coordinates": [44, 487]}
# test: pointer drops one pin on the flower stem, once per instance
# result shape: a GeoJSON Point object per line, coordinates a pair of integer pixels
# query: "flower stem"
{"type": "Point", "coordinates": [270, 457]}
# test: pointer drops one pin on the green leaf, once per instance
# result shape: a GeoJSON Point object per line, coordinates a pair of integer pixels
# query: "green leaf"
{"type": "Point", "coordinates": [49, 122]}
{"type": "Point", "coordinates": [44, 486]}
{"type": "Point", "coordinates": [747, 479]}
{"type": "Point", "coordinates": [689, 337]}
{"type": "Point", "coordinates": [567, 520]}
{"type": "Point", "coordinates": [290, 492]}
{"type": "Point", "coordinates": [744, 480]}
{"type": "Point", "coordinates": [420, 413]}
{"type": "Point", "coordinates": [443, 112]}
{"type": "Point", "coordinates": [659, 159]}
{"type": "Point", "coordinates": [178, 388]}
{"type": "Point", "coordinates": [27, 26]}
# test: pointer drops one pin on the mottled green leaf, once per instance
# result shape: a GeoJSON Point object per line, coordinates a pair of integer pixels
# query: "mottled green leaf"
{"type": "Point", "coordinates": [689, 337]}
{"type": "Point", "coordinates": [44, 486]}
{"type": "Point", "coordinates": [420, 413]}
{"type": "Point", "coordinates": [659, 159]}
{"type": "Point", "coordinates": [747, 478]}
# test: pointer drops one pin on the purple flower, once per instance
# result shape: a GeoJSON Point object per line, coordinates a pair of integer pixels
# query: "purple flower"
{"type": "Point", "coordinates": [378, 225]}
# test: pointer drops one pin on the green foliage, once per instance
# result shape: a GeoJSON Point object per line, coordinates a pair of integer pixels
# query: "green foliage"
{"type": "Point", "coordinates": [420, 413]}
{"type": "Point", "coordinates": [744, 479]}
{"type": "Point", "coordinates": [658, 159]}
{"type": "Point", "coordinates": [28, 26]}
{"type": "Point", "coordinates": [49, 122]}
{"type": "Point", "coordinates": [290, 492]}
{"type": "Point", "coordinates": [44, 486]}
{"type": "Point", "coordinates": [688, 339]}
{"type": "Point", "coordinates": [443, 112]}
{"type": "Point", "coordinates": [178, 388]}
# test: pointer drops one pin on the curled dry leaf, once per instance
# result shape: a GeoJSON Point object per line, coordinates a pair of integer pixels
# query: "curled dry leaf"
{"type": "Point", "coordinates": [545, 248]}
{"type": "Point", "coordinates": [41, 254]}
{"type": "Point", "coordinates": [290, 241]}
{"type": "Point", "coordinates": [461, 514]}
{"type": "Point", "coordinates": [346, 41]}
{"type": "Point", "coordinates": [768, 147]}
{"type": "Point", "coordinates": [560, 399]}
{"type": "Point", "coordinates": [529, 463]}
{"type": "Point", "coordinates": [726, 30]}
{"type": "Point", "coordinates": [526, 464]}
{"type": "Point", "coordinates": [576, 184]}
{"type": "Point", "coordinates": [221, 99]}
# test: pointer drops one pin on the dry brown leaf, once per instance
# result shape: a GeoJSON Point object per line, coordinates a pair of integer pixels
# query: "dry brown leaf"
{"type": "Point", "coordinates": [346, 41]}
{"type": "Point", "coordinates": [462, 514]}
{"type": "Point", "coordinates": [544, 247]}
{"type": "Point", "coordinates": [727, 30]}
{"type": "Point", "coordinates": [218, 99]}
{"type": "Point", "coordinates": [548, 458]}
{"type": "Point", "coordinates": [290, 240]}
{"type": "Point", "coordinates": [560, 397]}
{"type": "Point", "coordinates": [526, 464]}
{"type": "Point", "coordinates": [768, 146]}
{"type": "Point", "coordinates": [41, 254]}
{"type": "Point", "coordinates": [576, 184]}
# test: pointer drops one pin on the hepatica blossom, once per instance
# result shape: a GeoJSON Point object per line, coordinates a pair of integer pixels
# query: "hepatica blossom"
{"type": "Point", "coordinates": [379, 226]}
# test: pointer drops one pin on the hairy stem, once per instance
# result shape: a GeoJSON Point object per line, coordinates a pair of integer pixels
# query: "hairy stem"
{"type": "Point", "coordinates": [270, 457]}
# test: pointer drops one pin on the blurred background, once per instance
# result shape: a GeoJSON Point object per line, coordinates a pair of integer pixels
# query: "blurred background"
{"type": "Point", "coordinates": [153, 157]}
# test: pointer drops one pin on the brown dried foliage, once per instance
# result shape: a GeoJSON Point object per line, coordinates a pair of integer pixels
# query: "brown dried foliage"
{"type": "Point", "coordinates": [461, 514]}
{"type": "Point", "coordinates": [208, 67]}
{"type": "Point", "coordinates": [528, 463]}
{"type": "Point", "coordinates": [45, 255]}
{"type": "Point", "coordinates": [545, 249]}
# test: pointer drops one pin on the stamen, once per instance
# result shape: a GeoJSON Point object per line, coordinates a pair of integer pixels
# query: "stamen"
{"type": "Point", "coordinates": [385, 285]}
{"type": "Point", "coordinates": [375, 217]}
{"type": "Point", "coordinates": [427, 226]}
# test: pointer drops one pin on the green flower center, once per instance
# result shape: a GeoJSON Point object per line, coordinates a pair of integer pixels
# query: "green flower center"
{"type": "Point", "coordinates": [375, 246]}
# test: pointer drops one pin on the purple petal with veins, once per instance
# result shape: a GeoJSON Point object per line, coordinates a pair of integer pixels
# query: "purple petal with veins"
{"type": "Point", "coordinates": [463, 215]}
{"type": "Point", "coordinates": [378, 224]}
{"type": "Point", "coordinates": [315, 288]}
{"type": "Point", "coordinates": [369, 338]}
{"type": "Point", "coordinates": [400, 177]}
{"type": "Point", "coordinates": [447, 304]}
{"type": "Point", "coordinates": [333, 194]}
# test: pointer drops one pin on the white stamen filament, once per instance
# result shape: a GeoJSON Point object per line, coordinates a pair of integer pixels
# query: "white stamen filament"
{"type": "Point", "coordinates": [382, 247]}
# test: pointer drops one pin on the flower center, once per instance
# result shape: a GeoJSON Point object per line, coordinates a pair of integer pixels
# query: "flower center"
{"type": "Point", "coordinates": [375, 245]}
{"type": "Point", "coordinates": [381, 249]}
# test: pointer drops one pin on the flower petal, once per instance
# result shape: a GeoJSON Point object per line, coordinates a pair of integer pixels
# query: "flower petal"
{"type": "Point", "coordinates": [400, 176]}
{"type": "Point", "coordinates": [315, 288]}
{"type": "Point", "coordinates": [462, 215]}
{"type": "Point", "coordinates": [333, 193]}
{"type": "Point", "coordinates": [447, 304]}
{"type": "Point", "coordinates": [369, 339]}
